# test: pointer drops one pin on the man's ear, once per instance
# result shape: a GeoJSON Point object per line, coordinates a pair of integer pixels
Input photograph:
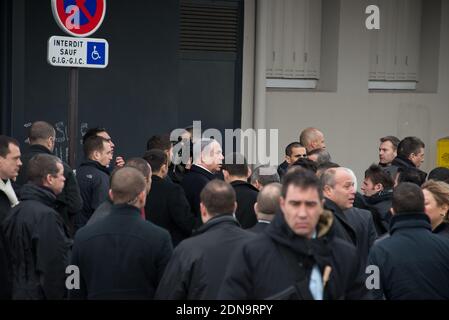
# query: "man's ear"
{"type": "Point", "coordinates": [95, 155]}
{"type": "Point", "coordinates": [256, 208]}
{"type": "Point", "coordinates": [111, 195]}
{"type": "Point", "coordinates": [327, 190]}
{"type": "Point", "coordinates": [235, 206]}
{"type": "Point", "coordinates": [142, 197]}
{"type": "Point", "coordinates": [250, 172]}
{"type": "Point", "coordinates": [48, 179]}
{"type": "Point", "coordinates": [378, 187]}
{"type": "Point", "coordinates": [225, 174]}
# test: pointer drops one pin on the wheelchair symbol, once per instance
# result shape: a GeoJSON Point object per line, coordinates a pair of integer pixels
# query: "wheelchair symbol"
{"type": "Point", "coordinates": [95, 55]}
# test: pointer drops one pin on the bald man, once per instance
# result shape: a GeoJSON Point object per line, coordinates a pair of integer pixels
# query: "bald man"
{"type": "Point", "coordinates": [312, 138]}
{"type": "Point", "coordinates": [353, 225]}
{"type": "Point", "coordinates": [121, 256]}
{"type": "Point", "coordinates": [266, 206]}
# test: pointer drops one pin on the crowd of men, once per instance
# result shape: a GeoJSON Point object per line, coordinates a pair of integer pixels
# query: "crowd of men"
{"type": "Point", "coordinates": [213, 228]}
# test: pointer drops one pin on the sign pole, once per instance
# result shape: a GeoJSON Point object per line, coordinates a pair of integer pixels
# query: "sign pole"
{"type": "Point", "coordinates": [73, 115]}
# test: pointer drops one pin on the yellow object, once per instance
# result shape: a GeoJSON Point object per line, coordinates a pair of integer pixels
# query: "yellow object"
{"type": "Point", "coordinates": [443, 152]}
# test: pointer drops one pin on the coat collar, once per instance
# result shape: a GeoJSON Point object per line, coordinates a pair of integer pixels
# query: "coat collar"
{"type": "Point", "coordinates": [95, 164]}
{"type": "Point", "coordinates": [402, 162]}
{"type": "Point", "coordinates": [198, 169]}
{"type": "Point", "coordinates": [37, 148]}
{"type": "Point", "coordinates": [379, 197]}
{"type": "Point", "coordinates": [41, 194]}
{"type": "Point", "coordinates": [125, 209]}
{"type": "Point", "coordinates": [217, 220]}
{"type": "Point", "coordinates": [442, 228]}
{"type": "Point", "coordinates": [245, 184]}
{"type": "Point", "coordinates": [412, 220]}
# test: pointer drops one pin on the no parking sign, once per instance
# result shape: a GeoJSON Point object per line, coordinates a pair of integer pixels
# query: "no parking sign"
{"type": "Point", "coordinates": [79, 18]}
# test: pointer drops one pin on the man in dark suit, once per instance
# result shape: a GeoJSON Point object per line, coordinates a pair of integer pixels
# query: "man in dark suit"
{"type": "Point", "coordinates": [42, 137]}
{"type": "Point", "coordinates": [207, 161]}
{"type": "Point", "coordinates": [9, 168]}
{"type": "Point", "coordinates": [93, 177]}
{"type": "Point", "coordinates": [354, 225]}
{"type": "Point", "coordinates": [121, 256]}
{"type": "Point", "coordinates": [198, 264]}
{"type": "Point", "coordinates": [236, 173]}
{"type": "Point", "coordinates": [266, 206]}
{"type": "Point", "coordinates": [166, 204]}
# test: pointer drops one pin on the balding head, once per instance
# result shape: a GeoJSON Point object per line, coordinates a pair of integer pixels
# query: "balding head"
{"type": "Point", "coordinates": [42, 133]}
{"type": "Point", "coordinates": [268, 201]}
{"type": "Point", "coordinates": [338, 185]}
{"type": "Point", "coordinates": [128, 185]}
{"type": "Point", "coordinates": [217, 198]}
{"type": "Point", "coordinates": [311, 139]}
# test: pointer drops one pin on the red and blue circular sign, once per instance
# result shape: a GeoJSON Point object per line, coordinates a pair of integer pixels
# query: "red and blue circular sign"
{"type": "Point", "coordinates": [79, 18]}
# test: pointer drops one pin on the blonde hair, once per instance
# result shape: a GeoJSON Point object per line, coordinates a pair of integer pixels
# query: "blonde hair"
{"type": "Point", "coordinates": [440, 191]}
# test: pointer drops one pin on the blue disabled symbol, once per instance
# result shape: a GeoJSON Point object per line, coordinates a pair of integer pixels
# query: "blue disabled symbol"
{"type": "Point", "coordinates": [96, 53]}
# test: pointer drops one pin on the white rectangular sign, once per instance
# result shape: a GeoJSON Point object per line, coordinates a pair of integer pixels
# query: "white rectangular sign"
{"type": "Point", "coordinates": [78, 52]}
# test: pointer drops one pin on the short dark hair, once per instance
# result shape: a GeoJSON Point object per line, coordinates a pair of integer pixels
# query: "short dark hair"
{"type": "Point", "coordinates": [139, 164]}
{"type": "Point", "coordinates": [93, 143]}
{"type": "Point", "coordinates": [408, 198]}
{"type": "Point", "coordinates": [303, 179]}
{"type": "Point", "coordinates": [306, 164]}
{"type": "Point", "coordinates": [378, 175]}
{"type": "Point", "coordinates": [235, 164]}
{"type": "Point", "coordinates": [40, 130]}
{"type": "Point", "coordinates": [40, 166]}
{"type": "Point", "coordinates": [412, 175]}
{"type": "Point", "coordinates": [92, 132]}
{"type": "Point", "coordinates": [289, 148]}
{"type": "Point", "coordinates": [409, 145]}
{"type": "Point", "coordinates": [4, 145]}
{"type": "Point", "coordinates": [126, 184]}
{"type": "Point", "coordinates": [394, 141]}
{"type": "Point", "coordinates": [439, 174]}
{"type": "Point", "coordinates": [161, 142]}
{"type": "Point", "coordinates": [156, 158]}
{"type": "Point", "coordinates": [218, 197]}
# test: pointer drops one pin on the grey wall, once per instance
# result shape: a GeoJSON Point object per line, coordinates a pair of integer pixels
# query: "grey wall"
{"type": "Point", "coordinates": [352, 118]}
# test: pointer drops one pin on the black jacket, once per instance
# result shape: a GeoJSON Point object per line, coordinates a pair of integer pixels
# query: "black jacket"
{"type": "Point", "coordinates": [413, 263]}
{"type": "Point", "coordinates": [259, 269]}
{"type": "Point", "coordinates": [198, 264]}
{"type": "Point", "coordinates": [69, 201]}
{"type": "Point", "coordinates": [93, 180]}
{"type": "Point", "coordinates": [102, 211]}
{"type": "Point", "coordinates": [5, 269]}
{"type": "Point", "coordinates": [168, 208]}
{"type": "Point", "coordinates": [259, 227]}
{"type": "Point", "coordinates": [120, 256]}
{"type": "Point", "coordinates": [379, 205]}
{"type": "Point", "coordinates": [193, 183]}
{"type": "Point", "coordinates": [282, 169]}
{"type": "Point", "coordinates": [39, 245]}
{"type": "Point", "coordinates": [246, 197]}
{"type": "Point", "coordinates": [5, 206]}
{"type": "Point", "coordinates": [404, 164]}
{"type": "Point", "coordinates": [356, 226]}
{"type": "Point", "coordinates": [442, 229]}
